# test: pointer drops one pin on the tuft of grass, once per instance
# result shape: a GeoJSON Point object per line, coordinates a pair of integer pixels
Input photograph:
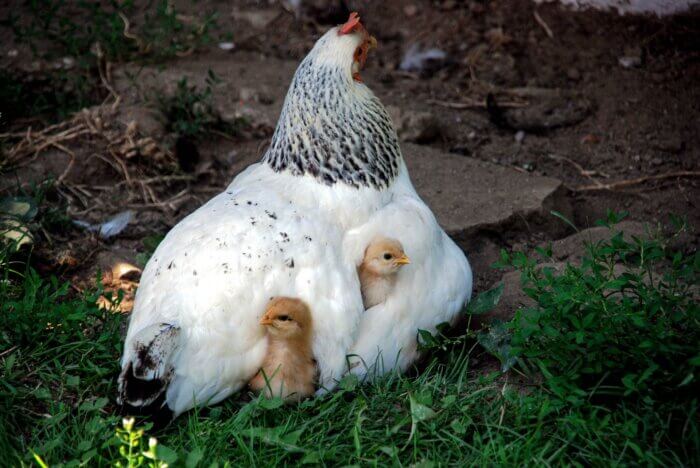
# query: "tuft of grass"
{"type": "Point", "coordinates": [59, 356]}
{"type": "Point", "coordinates": [189, 112]}
{"type": "Point", "coordinates": [52, 95]}
{"type": "Point", "coordinates": [625, 323]}
{"type": "Point", "coordinates": [150, 244]}
{"type": "Point", "coordinates": [88, 34]}
{"type": "Point", "coordinates": [84, 29]}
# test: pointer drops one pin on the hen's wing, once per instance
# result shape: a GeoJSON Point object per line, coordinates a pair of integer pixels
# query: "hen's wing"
{"type": "Point", "coordinates": [430, 290]}
{"type": "Point", "coordinates": [210, 280]}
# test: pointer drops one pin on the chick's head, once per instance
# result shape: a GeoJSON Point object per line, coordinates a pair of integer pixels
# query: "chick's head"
{"type": "Point", "coordinates": [287, 317]}
{"type": "Point", "coordinates": [385, 256]}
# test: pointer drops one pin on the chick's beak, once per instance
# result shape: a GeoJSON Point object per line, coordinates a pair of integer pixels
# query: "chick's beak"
{"type": "Point", "coordinates": [403, 260]}
{"type": "Point", "coordinates": [265, 320]}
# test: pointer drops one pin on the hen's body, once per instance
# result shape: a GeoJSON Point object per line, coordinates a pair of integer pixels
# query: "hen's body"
{"type": "Point", "coordinates": [293, 225]}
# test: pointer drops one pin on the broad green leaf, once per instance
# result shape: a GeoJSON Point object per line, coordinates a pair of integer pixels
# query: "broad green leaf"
{"type": "Point", "coordinates": [485, 301]}
{"type": "Point", "coordinates": [420, 412]}
{"type": "Point", "coordinates": [194, 457]}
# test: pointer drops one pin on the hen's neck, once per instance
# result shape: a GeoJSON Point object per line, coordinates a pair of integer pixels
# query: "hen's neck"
{"type": "Point", "coordinates": [334, 130]}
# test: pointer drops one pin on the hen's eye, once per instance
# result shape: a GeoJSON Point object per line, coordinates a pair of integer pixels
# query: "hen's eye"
{"type": "Point", "coordinates": [387, 256]}
{"type": "Point", "coordinates": [283, 318]}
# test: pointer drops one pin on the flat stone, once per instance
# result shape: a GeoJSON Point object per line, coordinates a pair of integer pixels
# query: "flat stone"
{"type": "Point", "coordinates": [468, 195]}
{"type": "Point", "coordinates": [259, 19]}
{"type": "Point", "coordinates": [147, 120]}
{"type": "Point", "coordinates": [547, 109]}
{"type": "Point", "coordinates": [415, 126]}
{"type": "Point", "coordinates": [573, 247]}
{"type": "Point", "coordinates": [512, 299]}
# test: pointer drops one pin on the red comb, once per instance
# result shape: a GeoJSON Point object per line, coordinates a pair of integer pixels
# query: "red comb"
{"type": "Point", "coordinates": [350, 25]}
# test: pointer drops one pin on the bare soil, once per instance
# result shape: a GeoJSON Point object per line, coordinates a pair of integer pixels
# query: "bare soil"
{"type": "Point", "coordinates": [619, 138]}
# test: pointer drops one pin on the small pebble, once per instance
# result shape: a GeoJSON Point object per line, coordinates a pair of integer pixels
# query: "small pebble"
{"type": "Point", "coordinates": [632, 57]}
{"type": "Point", "coordinates": [226, 45]}
{"type": "Point", "coordinates": [519, 136]}
{"type": "Point", "coordinates": [410, 10]}
{"type": "Point", "coordinates": [629, 62]}
{"type": "Point", "coordinates": [12, 53]}
{"type": "Point", "coordinates": [573, 74]}
{"type": "Point", "coordinates": [68, 62]}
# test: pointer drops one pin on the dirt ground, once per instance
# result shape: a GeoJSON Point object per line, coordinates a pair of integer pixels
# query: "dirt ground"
{"type": "Point", "coordinates": [608, 105]}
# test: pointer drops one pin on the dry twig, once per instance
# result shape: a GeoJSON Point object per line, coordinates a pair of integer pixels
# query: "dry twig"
{"type": "Point", "coordinates": [588, 173]}
{"type": "Point", "coordinates": [473, 104]}
{"type": "Point", "coordinates": [630, 182]}
{"type": "Point", "coordinates": [544, 25]}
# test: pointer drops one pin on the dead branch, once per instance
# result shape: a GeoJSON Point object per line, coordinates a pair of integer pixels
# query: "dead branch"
{"type": "Point", "coordinates": [630, 182]}
{"type": "Point", "coordinates": [544, 25]}
{"type": "Point", "coordinates": [473, 104]}
{"type": "Point", "coordinates": [588, 173]}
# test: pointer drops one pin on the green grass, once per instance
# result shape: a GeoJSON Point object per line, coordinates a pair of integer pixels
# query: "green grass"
{"type": "Point", "coordinates": [189, 112]}
{"type": "Point", "coordinates": [90, 33]}
{"type": "Point", "coordinates": [53, 94]}
{"type": "Point", "coordinates": [58, 28]}
{"type": "Point", "coordinates": [59, 360]}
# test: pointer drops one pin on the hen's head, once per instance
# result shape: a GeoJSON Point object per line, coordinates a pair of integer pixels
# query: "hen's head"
{"type": "Point", "coordinates": [345, 46]}
{"type": "Point", "coordinates": [332, 127]}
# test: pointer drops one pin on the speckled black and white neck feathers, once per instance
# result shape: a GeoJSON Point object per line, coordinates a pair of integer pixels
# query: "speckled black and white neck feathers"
{"type": "Point", "coordinates": [332, 127]}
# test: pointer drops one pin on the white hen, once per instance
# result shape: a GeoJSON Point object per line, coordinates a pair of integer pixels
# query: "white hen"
{"type": "Point", "coordinates": [293, 225]}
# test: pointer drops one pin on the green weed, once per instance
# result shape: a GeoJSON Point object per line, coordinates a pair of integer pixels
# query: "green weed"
{"type": "Point", "coordinates": [189, 112]}
{"type": "Point", "coordinates": [51, 95]}
{"type": "Point", "coordinates": [84, 29]}
{"type": "Point", "coordinates": [623, 323]}
{"type": "Point", "coordinates": [59, 358]}
{"type": "Point", "coordinates": [89, 33]}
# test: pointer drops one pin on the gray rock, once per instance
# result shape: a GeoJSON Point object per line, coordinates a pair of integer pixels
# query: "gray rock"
{"type": "Point", "coordinates": [147, 120]}
{"type": "Point", "coordinates": [468, 195]}
{"type": "Point", "coordinates": [415, 126]}
{"type": "Point", "coordinates": [259, 18]}
{"type": "Point", "coordinates": [671, 144]}
{"type": "Point", "coordinates": [512, 299]}
{"type": "Point", "coordinates": [573, 247]}
{"type": "Point", "coordinates": [547, 109]}
{"type": "Point", "coordinates": [632, 58]}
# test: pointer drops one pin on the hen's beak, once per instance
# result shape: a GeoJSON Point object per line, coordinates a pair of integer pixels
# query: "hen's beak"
{"type": "Point", "coordinates": [371, 43]}
{"type": "Point", "coordinates": [266, 320]}
{"type": "Point", "coordinates": [403, 260]}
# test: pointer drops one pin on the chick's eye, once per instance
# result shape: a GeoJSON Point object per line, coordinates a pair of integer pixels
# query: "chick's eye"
{"type": "Point", "coordinates": [387, 256]}
{"type": "Point", "coordinates": [283, 318]}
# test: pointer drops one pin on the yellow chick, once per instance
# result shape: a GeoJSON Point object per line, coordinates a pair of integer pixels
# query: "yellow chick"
{"type": "Point", "coordinates": [382, 261]}
{"type": "Point", "coordinates": [289, 369]}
